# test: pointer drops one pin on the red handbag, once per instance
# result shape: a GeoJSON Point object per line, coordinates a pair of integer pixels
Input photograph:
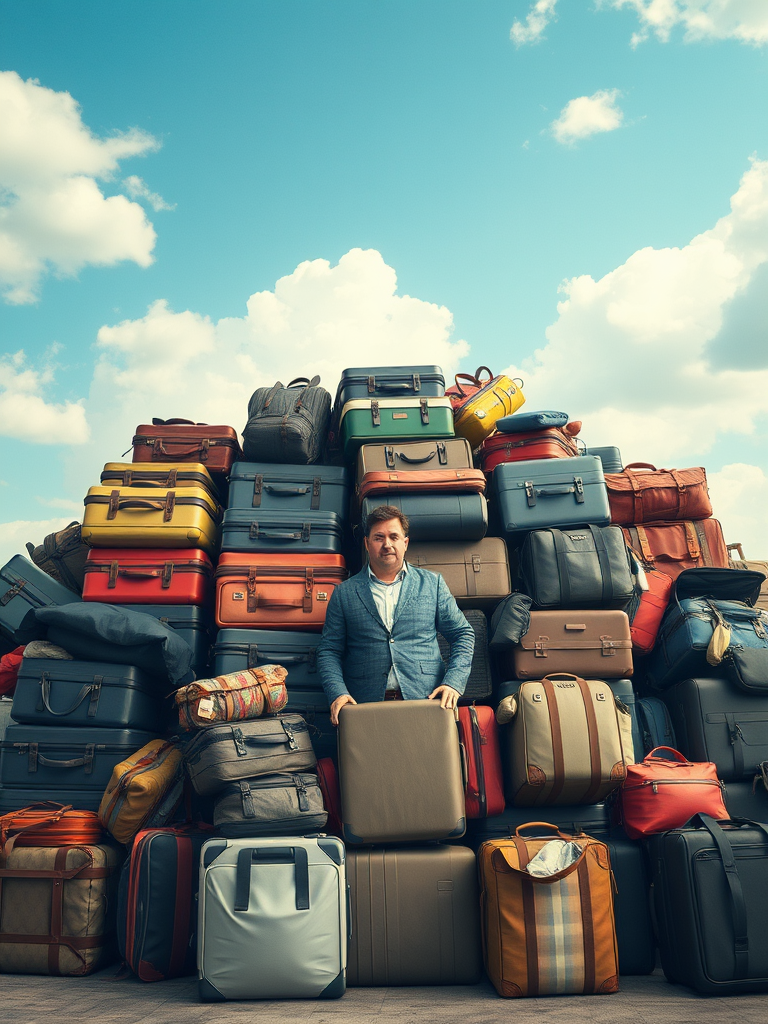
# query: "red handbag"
{"type": "Point", "coordinates": [660, 794]}
{"type": "Point", "coordinates": [479, 735]}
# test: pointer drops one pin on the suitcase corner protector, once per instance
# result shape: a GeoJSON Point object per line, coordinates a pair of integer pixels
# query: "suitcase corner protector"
{"type": "Point", "coordinates": [207, 992]}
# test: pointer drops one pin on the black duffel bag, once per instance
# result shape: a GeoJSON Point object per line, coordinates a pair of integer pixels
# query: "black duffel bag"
{"type": "Point", "coordinates": [287, 424]}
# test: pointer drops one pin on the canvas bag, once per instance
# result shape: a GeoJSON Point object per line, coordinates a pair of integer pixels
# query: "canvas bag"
{"type": "Point", "coordinates": [232, 697]}
{"type": "Point", "coordinates": [287, 424]}
{"type": "Point", "coordinates": [62, 555]}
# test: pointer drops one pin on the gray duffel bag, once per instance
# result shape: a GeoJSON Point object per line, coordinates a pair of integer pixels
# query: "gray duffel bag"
{"type": "Point", "coordinates": [287, 424]}
{"type": "Point", "coordinates": [271, 805]}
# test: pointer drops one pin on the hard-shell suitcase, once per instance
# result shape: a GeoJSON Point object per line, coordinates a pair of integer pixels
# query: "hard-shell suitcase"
{"type": "Point", "coordinates": [390, 381]}
{"type": "Point", "coordinates": [551, 443]}
{"type": "Point", "coordinates": [477, 574]}
{"type": "Point", "coordinates": [392, 420]}
{"type": "Point", "coordinates": [238, 649]}
{"type": "Point", "coordinates": [177, 440]}
{"type": "Point", "coordinates": [313, 707]}
{"type": "Point", "coordinates": [276, 592]}
{"type": "Point", "coordinates": [255, 531]}
{"type": "Point", "coordinates": [485, 783]}
{"type": "Point", "coordinates": [657, 495]}
{"type": "Point", "coordinates": [54, 691]}
{"type": "Point", "coordinates": [476, 417]}
{"type": "Point", "coordinates": [143, 517]}
{"type": "Point", "coordinates": [673, 547]}
{"type": "Point", "coordinates": [414, 456]}
{"type": "Point", "coordinates": [400, 772]}
{"type": "Point", "coordinates": [193, 624]}
{"type": "Point", "coordinates": [710, 901]}
{"type": "Point", "coordinates": [551, 492]}
{"type": "Point", "coordinates": [272, 487]}
{"type": "Point", "coordinates": [752, 565]}
{"type": "Point", "coordinates": [165, 477]}
{"type": "Point", "coordinates": [23, 588]}
{"type": "Point", "coordinates": [414, 917]}
{"type": "Point", "coordinates": [588, 643]}
{"type": "Point", "coordinates": [62, 555]}
{"type": "Point", "coordinates": [480, 682]}
{"type": "Point", "coordinates": [272, 919]}
{"type": "Point", "coordinates": [376, 485]}
{"type": "Point", "coordinates": [287, 424]}
{"type": "Point", "coordinates": [151, 576]}
{"type": "Point", "coordinates": [610, 457]}
{"type": "Point", "coordinates": [284, 804]}
{"type": "Point", "coordinates": [437, 517]}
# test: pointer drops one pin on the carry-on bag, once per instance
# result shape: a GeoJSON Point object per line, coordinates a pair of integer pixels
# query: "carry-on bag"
{"type": "Point", "coordinates": [390, 382]}
{"type": "Point", "coordinates": [755, 566]}
{"type": "Point", "coordinates": [414, 457]}
{"type": "Point", "coordinates": [193, 623]}
{"type": "Point", "coordinates": [673, 547]}
{"type": "Point", "coordinates": [610, 457]}
{"type": "Point", "coordinates": [166, 476]}
{"type": "Point", "coordinates": [548, 931]}
{"type": "Point", "coordinates": [375, 486]}
{"type": "Point", "coordinates": [232, 697]}
{"type": "Point", "coordinates": [144, 790]}
{"type": "Point", "coordinates": [156, 902]}
{"type": "Point", "coordinates": [436, 517]}
{"type": "Point", "coordinates": [255, 532]}
{"type": "Point", "coordinates": [657, 495]}
{"type": "Point", "coordinates": [57, 909]}
{"type": "Point", "coordinates": [48, 823]}
{"type": "Point", "coordinates": [272, 487]}
{"type": "Point", "coordinates": [590, 643]}
{"type": "Point", "coordinates": [400, 772]}
{"type": "Point", "coordinates": [273, 919]}
{"type": "Point", "coordinates": [148, 576]}
{"type": "Point", "coordinates": [238, 649]}
{"type": "Point", "coordinates": [584, 568]}
{"type": "Point", "coordinates": [54, 691]}
{"type": "Point", "coordinates": [480, 682]}
{"type": "Point", "coordinates": [550, 492]}
{"type": "Point", "coordinates": [393, 420]}
{"type": "Point", "coordinates": [177, 440]}
{"type": "Point", "coordinates": [476, 416]}
{"type": "Point", "coordinates": [287, 424]}
{"type": "Point", "coordinates": [62, 555]}
{"type": "Point", "coordinates": [23, 588]}
{"type": "Point", "coordinates": [276, 592]}
{"type": "Point", "coordinates": [229, 752]}
{"type": "Point", "coordinates": [477, 573]}
{"type": "Point", "coordinates": [414, 917]}
{"type": "Point", "coordinates": [479, 735]}
{"type": "Point", "coordinates": [284, 804]}
{"type": "Point", "coordinates": [548, 443]}
{"type": "Point", "coordinates": [647, 607]}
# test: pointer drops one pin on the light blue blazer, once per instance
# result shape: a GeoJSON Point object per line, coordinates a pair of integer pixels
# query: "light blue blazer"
{"type": "Point", "coordinates": [356, 650]}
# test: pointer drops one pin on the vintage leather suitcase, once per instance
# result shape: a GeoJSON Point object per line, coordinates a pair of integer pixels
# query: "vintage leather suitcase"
{"type": "Point", "coordinates": [414, 456]}
{"type": "Point", "coordinates": [23, 588]}
{"type": "Point", "coordinates": [53, 691]}
{"type": "Point", "coordinates": [610, 458]}
{"type": "Point", "coordinates": [255, 531]}
{"type": "Point", "coordinates": [62, 555]}
{"type": "Point", "coordinates": [478, 732]}
{"type": "Point", "coordinates": [276, 592]}
{"type": "Point", "coordinates": [391, 420]}
{"type": "Point", "coordinates": [283, 804]}
{"type": "Point", "coordinates": [551, 443]}
{"type": "Point", "coordinates": [476, 417]}
{"type": "Point", "coordinates": [193, 624]}
{"type": "Point", "coordinates": [480, 682]}
{"type": "Point", "coordinates": [272, 487]}
{"type": "Point", "coordinates": [436, 517]}
{"type": "Point", "coordinates": [414, 917]}
{"type": "Point", "coordinates": [588, 643]}
{"type": "Point", "coordinates": [377, 485]}
{"type": "Point", "coordinates": [368, 382]}
{"type": "Point", "coordinates": [754, 566]}
{"type": "Point", "coordinates": [550, 492]}
{"type": "Point", "coordinates": [657, 495]}
{"type": "Point", "coordinates": [165, 476]}
{"type": "Point", "coordinates": [176, 440]}
{"type": "Point", "coordinates": [673, 547]}
{"type": "Point", "coordinates": [400, 773]}
{"type": "Point", "coordinates": [477, 574]}
{"type": "Point", "coordinates": [148, 575]}
{"type": "Point", "coordinates": [145, 517]}
{"type": "Point", "coordinates": [237, 649]}
{"type": "Point", "coordinates": [287, 424]}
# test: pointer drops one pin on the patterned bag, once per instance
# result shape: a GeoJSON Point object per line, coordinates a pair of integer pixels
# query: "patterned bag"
{"type": "Point", "coordinates": [232, 697]}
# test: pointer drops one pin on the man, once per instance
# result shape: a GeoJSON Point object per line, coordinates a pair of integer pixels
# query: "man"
{"type": "Point", "coordinates": [380, 636]}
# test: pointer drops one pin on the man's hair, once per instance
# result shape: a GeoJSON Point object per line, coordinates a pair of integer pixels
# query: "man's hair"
{"type": "Point", "coordinates": [383, 514]}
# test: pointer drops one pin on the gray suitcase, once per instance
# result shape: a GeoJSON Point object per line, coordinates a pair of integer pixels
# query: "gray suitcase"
{"type": "Point", "coordinates": [286, 804]}
{"type": "Point", "coordinates": [477, 573]}
{"type": "Point", "coordinates": [289, 489]}
{"type": "Point", "coordinates": [402, 456]}
{"type": "Point", "coordinates": [437, 517]}
{"type": "Point", "coordinates": [610, 458]}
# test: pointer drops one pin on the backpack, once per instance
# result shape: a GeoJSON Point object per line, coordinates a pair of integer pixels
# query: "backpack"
{"type": "Point", "coordinates": [287, 424]}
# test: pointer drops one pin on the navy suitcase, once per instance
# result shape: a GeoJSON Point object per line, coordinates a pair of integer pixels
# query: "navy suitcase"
{"type": "Point", "coordinates": [541, 493]}
{"type": "Point", "coordinates": [14, 798]}
{"type": "Point", "coordinates": [271, 532]}
{"type": "Point", "coordinates": [390, 382]}
{"type": "Point", "coordinates": [193, 623]}
{"type": "Point", "coordinates": [480, 682]}
{"type": "Point", "coordinates": [610, 458]}
{"type": "Point", "coordinates": [593, 819]}
{"type": "Point", "coordinates": [52, 691]}
{"type": "Point", "coordinates": [313, 707]}
{"type": "Point", "coordinates": [437, 517]}
{"type": "Point", "coordinates": [238, 649]}
{"type": "Point", "coordinates": [655, 725]}
{"type": "Point", "coordinates": [747, 799]}
{"type": "Point", "coordinates": [279, 488]}
{"type": "Point", "coordinates": [24, 587]}
{"type": "Point", "coordinates": [631, 905]}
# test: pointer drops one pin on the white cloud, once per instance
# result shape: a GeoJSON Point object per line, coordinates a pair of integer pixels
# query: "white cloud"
{"type": "Point", "coordinates": [736, 492]}
{"type": "Point", "coordinates": [588, 115]}
{"type": "Point", "coordinates": [742, 20]}
{"type": "Point", "coordinates": [24, 412]}
{"type": "Point", "coordinates": [137, 188]}
{"type": "Point", "coordinates": [539, 17]}
{"type": "Point", "coordinates": [53, 214]}
{"type": "Point", "coordinates": [66, 504]}
{"type": "Point", "coordinates": [14, 535]}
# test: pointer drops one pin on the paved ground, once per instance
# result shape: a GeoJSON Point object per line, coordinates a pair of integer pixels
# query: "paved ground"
{"type": "Point", "coordinates": [102, 999]}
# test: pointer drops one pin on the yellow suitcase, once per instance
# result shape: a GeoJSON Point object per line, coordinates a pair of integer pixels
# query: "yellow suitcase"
{"type": "Point", "coordinates": [151, 517]}
{"type": "Point", "coordinates": [159, 474]}
{"type": "Point", "coordinates": [476, 419]}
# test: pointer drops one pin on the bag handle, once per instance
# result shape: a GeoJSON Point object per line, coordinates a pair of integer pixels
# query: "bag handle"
{"type": "Point", "coordinates": [57, 811]}
{"type": "Point", "coordinates": [296, 855]}
{"type": "Point", "coordinates": [678, 756]}
{"type": "Point", "coordinates": [93, 689]}
{"type": "Point", "coordinates": [542, 824]}
{"type": "Point", "coordinates": [558, 675]}
{"type": "Point", "coordinates": [640, 465]}
{"type": "Point", "coordinates": [176, 421]}
{"type": "Point", "coordinates": [728, 548]}
{"type": "Point", "coordinates": [411, 461]}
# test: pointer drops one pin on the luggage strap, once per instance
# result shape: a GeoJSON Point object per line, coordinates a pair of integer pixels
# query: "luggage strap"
{"type": "Point", "coordinates": [532, 492]}
{"type": "Point", "coordinates": [12, 592]}
{"type": "Point", "coordinates": [296, 855]}
{"type": "Point", "coordinates": [93, 689]}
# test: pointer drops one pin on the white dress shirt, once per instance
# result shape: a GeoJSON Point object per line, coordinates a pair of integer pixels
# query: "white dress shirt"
{"type": "Point", "coordinates": [385, 597]}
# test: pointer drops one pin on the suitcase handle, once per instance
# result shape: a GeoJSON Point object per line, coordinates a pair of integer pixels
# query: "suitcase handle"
{"type": "Point", "coordinates": [94, 689]}
{"type": "Point", "coordinates": [156, 422]}
{"type": "Point", "coordinates": [729, 548]}
{"type": "Point", "coordinates": [276, 602]}
{"type": "Point", "coordinates": [414, 462]}
{"type": "Point", "coordinates": [297, 855]}
{"type": "Point", "coordinates": [257, 533]}
{"type": "Point", "coordinates": [75, 762]}
{"type": "Point", "coordinates": [279, 489]}
{"type": "Point", "coordinates": [118, 504]}
{"type": "Point", "coordinates": [641, 465]}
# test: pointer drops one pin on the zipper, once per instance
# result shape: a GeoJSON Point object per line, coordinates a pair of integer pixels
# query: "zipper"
{"type": "Point", "coordinates": [655, 783]}
{"type": "Point", "coordinates": [508, 446]}
{"type": "Point", "coordinates": [477, 743]}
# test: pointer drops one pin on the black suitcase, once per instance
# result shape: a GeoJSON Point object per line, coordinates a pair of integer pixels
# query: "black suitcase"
{"type": "Point", "coordinates": [480, 682]}
{"type": "Point", "coordinates": [710, 899]}
{"type": "Point", "coordinates": [193, 623]}
{"type": "Point", "coordinates": [313, 707]}
{"type": "Point", "coordinates": [631, 905]}
{"type": "Point", "coordinates": [98, 695]}
{"type": "Point", "coordinates": [274, 531]}
{"type": "Point", "coordinates": [438, 517]}
{"type": "Point", "coordinates": [238, 649]}
{"type": "Point", "coordinates": [593, 819]}
{"type": "Point", "coordinates": [275, 488]}
{"type": "Point", "coordinates": [24, 587]}
{"type": "Point", "coordinates": [747, 800]}
{"type": "Point", "coordinates": [389, 382]}
{"type": "Point", "coordinates": [716, 721]}
{"type": "Point", "coordinates": [15, 798]}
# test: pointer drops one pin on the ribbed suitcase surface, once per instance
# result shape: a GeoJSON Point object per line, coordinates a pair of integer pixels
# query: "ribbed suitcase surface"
{"type": "Point", "coordinates": [427, 482]}
{"type": "Point", "coordinates": [437, 517]}
{"type": "Point", "coordinates": [256, 531]}
{"type": "Point", "coordinates": [272, 487]}
{"type": "Point", "coordinates": [552, 443]}
{"type": "Point", "coordinates": [238, 649]}
{"type": "Point", "coordinates": [480, 682]}
{"type": "Point", "coordinates": [609, 456]}
{"type": "Point", "coordinates": [24, 587]}
{"type": "Point", "coordinates": [551, 492]}
{"type": "Point", "coordinates": [151, 576]}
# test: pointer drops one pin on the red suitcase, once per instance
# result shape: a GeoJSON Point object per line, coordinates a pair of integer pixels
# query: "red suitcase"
{"type": "Point", "coordinates": [328, 780]}
{"type": "Point", "coordinates": [427, 481]}
{"type": "Point", "coordinates": [479, 735]}
{"type": "Point", "coordinates": [276, 591]}
{"type": "Point", "coordinates": [549, 443]}
{"type": "Point", "coordinates": [148, 576]}
{"type": "Point", "coordinates": [216, 447]}
{"type": "Point", "coordinates": [647, 616]}
{"type": "Point", "coordinates": [672, 547]}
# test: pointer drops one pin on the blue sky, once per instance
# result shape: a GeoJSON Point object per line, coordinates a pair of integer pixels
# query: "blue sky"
{"type": "Point", "coordinates": [485, 181]}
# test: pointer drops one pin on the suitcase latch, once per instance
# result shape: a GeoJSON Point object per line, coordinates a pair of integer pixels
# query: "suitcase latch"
{"type": "Point", "coordinates": [253, 655]}
{"type": "Point", "coordinates": [306, 530]}
{"type": "Point", "coordinates": [250, 586]}
{"type": "Point", "coordinates": [424, 410]}
{"type": "Point", "coordinates": [167, 575]}
{"type": "Point", "coordinates": [309, 583]}
{"type": "Point", "coordinates": [114, 570]}
{"type": "Point", "coordinates": [540, 648]}
{"type": "Point", "coordinates": [301, 793]}
{"type": "Point", "coordinates": [32, 762]}
{"type": "Point", "coordinates": [475, 563]}
{"type": "Point", "coordinates": [170, 502]}
{"type": "Point", "coordinates": [240, 748]}
{"type": "Point", "coordinates": [288, 730]}
{"type": "Point", "coordinates": [258, 480]}
{"type": "Point", "coordinates": [389, 456]}
{"type": "Point", "coordinates": [371, 385]}
{"type": "Point", "coordinates": [530, 493]}
{"type": "Point", "coordinates": [608, 647]}
{"type": "Point", "coordinates": [317, 486]}
{"type": "Point", "coordinates": [442, 454]}
{"type": "Point", "coordinates": [578, 489]}
{"type": "Point", "coordinates": [246, 796]}
{"type": "Point", "coordinates": [375, 414]}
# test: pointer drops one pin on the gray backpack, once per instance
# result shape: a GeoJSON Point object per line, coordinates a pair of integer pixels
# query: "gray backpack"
{"type": "Point", "coordinates": [287, 424]}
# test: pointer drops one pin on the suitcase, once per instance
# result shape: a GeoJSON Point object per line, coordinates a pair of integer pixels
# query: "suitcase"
{"type": "Point", "coordinates": [144, 790]}
{"type": "Point", "coordinates": [284, 804]}
{"type": "Point", "coordinates": [610, 458]}
{"type": "Point", "coordinates": [646, 609]}
{"type": "Point", "coordinates": [587, 643]}
{"type": "Point", "coordinates": [14, 798]}
{"type": "Point", "coordinates": [276, 592]}
{"type": "Point", "coordinates": [747, 800]}
{"type": "Point", "coordinates": [400, 773]}
{"type": "Point", "coordinates": [480, 682]}
{"type": "Point", "coordinates": [477, 574]}
{"type": "Point", "coordinates": [393, 420]}
{"type": "Point", "coordinates": [673, 547]}
{"type": "Point", "coordinates": [657, 495]}
{"type": "Point", "coordinates": [476, 417]}
{"type": "Point", "coordinates": [92, 694]}
{"type": "Point", "coordinates": [437, 482]}
{"type": "Point", "coordinates": [631, 905]}
{"type": "Point", "coordinates": [414, 456]}
{"type": "Point", "coordinates": [157, 902]}
{"type": "Point", "coordinates": [290, 489]}
{"type": "Point", "coordinates": [592, 819]}
{"type": "Point", "coordinates": [238, 649]}
{"type": "Point", "coordinates": [62, 555]}
{"type": "Point", "coordinates": [478, 732]}
{"type": "Point", "coordinates": [193, 624]}
{"type": "Point", "coordinates": [287, 424]}
{"type": "Point", "coordinates": [65, 758]}
{"type": "Point", "coordinates": [654, 726]}
{"type": "Point", "coordinates": [328, 780]}
{"type": "Point", "coordinates": [710, 902]}
{"type": "Point", "coordinates": [313, 707]}
{"type": "Point", "coordinates": [175, 440]}
{"type": "Point", "coordinates": [152, 576]}
{"type": "Point", "coordinates": [754, 566]}
{"type": "Point", "coordinates": [165, 477]}
{"type": "Point", "coordinates": [436, 517]}
{"type": "Point", "coordinates": [365, 382]}
{"type": "Point", "coordinates": [550, 492]}
{"type": "Point", "coordinates": [414, 917]}
{"type": "Point", "coordinates": [25, 587]}
{"type": "Point", "coordinates": [552, 443]}
{"type": "Point", "coordinates": [142, 517]}
{"type": "Point", "coordinates": [272, 919]}
{"type": "Point", "coordinates": [306, 533]}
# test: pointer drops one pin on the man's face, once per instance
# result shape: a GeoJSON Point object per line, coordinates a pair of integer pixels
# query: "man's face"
{"type": "Point", "coordinates": [386, 545]}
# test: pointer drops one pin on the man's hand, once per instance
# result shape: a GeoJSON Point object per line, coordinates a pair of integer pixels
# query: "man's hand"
{"type": "Point", "coordinates": [338, 704]}
{"type": "Point", "coordinates": [448, 697]}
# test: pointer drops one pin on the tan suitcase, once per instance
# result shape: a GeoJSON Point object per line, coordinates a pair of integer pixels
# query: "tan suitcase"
{"type": "Point", "coordinates": [477, 573]}
{"type": "Point", "coordinates": [454, 453]}
{"type": "Point", "coordinates": [587, 643]}
{"type": "Point", "coordinates": [757, 566]}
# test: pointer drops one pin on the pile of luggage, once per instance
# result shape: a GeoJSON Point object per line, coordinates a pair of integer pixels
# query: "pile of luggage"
{"type": "Point", "coordinates": [167, 711]}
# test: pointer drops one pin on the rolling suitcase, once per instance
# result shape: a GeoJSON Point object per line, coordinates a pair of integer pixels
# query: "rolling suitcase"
{"type": "Point", "coordinates": [392, 420]}
{"type": "Point", "coordinates": [478, 732]}
{"type": "Point", "coordinates": [147, 576]}
{"type": "Point", "coordinates": [177, 440]}
{"type": "Point", "coordinates": [477, 415]}
{"type": "Point", "coordinates": [165, 476]}
{"type": "Point", "coordinates": [550, 443]}
{"type": "Point", "coordinates": [390, 381]}
{"type": "Point", "coordinates": [480, 682]}
{"type": "Point", "coordinates": [414, 456]}
{"type": "Point", "coordinates": [193, 624]}
{"type": "Point", "coordinates": [272, 487]}
{"type": "Point", "coordinates": [477, 573]}
{"type": "Point", "coordinates": [414, 917]}
{"type": "Point", "coordinates": [551, 492]}
{"type": "Point", "coordinates": [588, 643]}
{"type": "Point", "coordinates": [436, 517]}
{"type": "Point", "coordinates": [257, 532]}
{"type": "Point", "coordinates": [287, 424]}
{"type": "Point", "coordinates": [238, 649]}
{"type": "Point", "coordinates": [673, 547]}
{"type": "Point", "coordinates": [400, 772]}
{"type": "Point", "coordinates": [23, 588]}
{"type": "Point", "coordinates": [376, 485]}
{"type": "Point", "coordinates": [284, 804]}
{"type": "Point", "coordinates": [272, 919]}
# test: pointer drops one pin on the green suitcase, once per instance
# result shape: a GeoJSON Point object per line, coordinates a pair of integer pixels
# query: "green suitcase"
{"type": "Point", "coordinates": [381, 420]}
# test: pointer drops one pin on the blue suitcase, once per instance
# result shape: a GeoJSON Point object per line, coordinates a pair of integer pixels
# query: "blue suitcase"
{"type": "Point", "coordinates": [541, 493]}
{"type": "Point", "coordinates": [390, 382]}
{"type": "Point", "coordinates": [655, 725]}
{"type": "Point", "coordinates": [193, 623]}
{"type": "Point", "coordinates": [14, 798]}
{"type": "Point", "coordinates": [437, 517]}
{"type": "Point", "coordinates": [273, 487]}
{"type": "Point", "coordinates": [610, 458]}
{"type": "Point", "coordinates": [23, 588]}
{"type": "Point", "coordinates": [271, 532]}
{"type": "Point", "coordinates": [238, 649]}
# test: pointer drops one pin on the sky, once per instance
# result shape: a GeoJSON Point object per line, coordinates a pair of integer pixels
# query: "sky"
{"type": "Point", "coordinates": [200, 197]}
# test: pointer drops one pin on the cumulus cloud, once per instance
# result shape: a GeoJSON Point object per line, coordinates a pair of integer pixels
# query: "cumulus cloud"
{"type": "Point", "coordinates": [737, 491]}
{"type": "Point", "coordinates": [743, 20]}
{"type": "Point", "coordinates": [534, 26]}
{"type": "Point", "coordinates": [53, 214]}
{"type": "Point", "coordinates": [26, 415]}
{"type": "Point", "coordinates": [14, 535]}
{"type": "Point", "coordinates": [588, 115]}
{"type": "Point", "coordinates": [137, 188]}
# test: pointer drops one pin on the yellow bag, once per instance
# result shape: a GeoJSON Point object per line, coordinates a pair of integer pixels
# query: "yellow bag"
{"type": "Point", "coordinates": [148, 517]}
{"type": "Point", "coordinates": [145, 789]}
{"type": "Point", "coordinates": [165, 475]}
{"type": "Point", "coordinates": [477, 418]}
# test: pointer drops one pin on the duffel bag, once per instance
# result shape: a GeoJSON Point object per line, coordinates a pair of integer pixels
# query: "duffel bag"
{"type": "Point", "coordinates": [673, 547]}
{"type": "Point", "coordinates": [287, 424]}
{"type": "Point", "coordinates": [232, 697]}
{"type": "Point", "coordinates": [657, 495]}
{"type": "Point", "coordinates": [466, 385]}
{"type": "Point", "coordinates": [144, 790]}
{"type": "Point", "coordinates": [62, 555]}
{"type": "Point", "coordinates": [48, 823]}
{"type": "Point", "coordinates": [271, 805]}
{"type": "Point", "coordinates": [475, 417]}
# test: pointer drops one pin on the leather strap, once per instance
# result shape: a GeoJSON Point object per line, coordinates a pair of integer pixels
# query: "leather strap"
{"type": "Point", "coordinates": [557, 741]}
{"type": "Point", "coordinates": [594, 741]}
{"type": "Point", "coordinates": [736, 892]}
{"type": "Point", "coordinates": [703, 542]}
{"type": "Point", "coordinates": [587, 926]}
{"type": "Point", "coordinates": [604, 562]}
{"type": "Point", "coordinates": [531, 938]}
{"type": "Point", "coordinates": [563, 573]}
{"type": "Point", "coordinates": [93, 689]}
{"type": "Point", "coordinates": [271, 855]}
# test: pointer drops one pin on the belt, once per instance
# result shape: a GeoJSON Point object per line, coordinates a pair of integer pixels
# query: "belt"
{"type": "Point", "coordinates": [393, 695]}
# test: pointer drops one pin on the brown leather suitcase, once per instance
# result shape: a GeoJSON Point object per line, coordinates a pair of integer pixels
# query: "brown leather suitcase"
{"type": "Point", "coordinates": [176, 440]}
{"type": "Point", "coordinates": [672, 547]}
{"type": "Point", "coordinates": [405, 456]}
{"type": "Point", "coordinates": [400, 773]}
{"type": "Point", "coordinates": [477, 573]}
{"type": "Point", "coordinates": [586, 643]}
{"type": "Point", "coordinates": [414, 917]}
{"type": "Point", "coordinates": [657, 495]}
